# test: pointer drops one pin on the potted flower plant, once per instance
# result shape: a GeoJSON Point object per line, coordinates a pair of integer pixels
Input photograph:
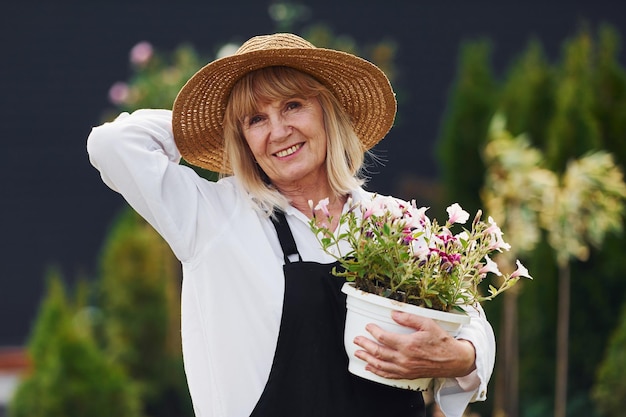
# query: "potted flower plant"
{"type": "Point", "coordinates": [394, 257]}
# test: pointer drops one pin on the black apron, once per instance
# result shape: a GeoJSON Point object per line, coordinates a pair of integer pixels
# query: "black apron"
{"type": "Point", "coordinates": [309, 375]}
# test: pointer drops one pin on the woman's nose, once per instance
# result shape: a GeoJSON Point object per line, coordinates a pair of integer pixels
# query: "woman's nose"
{"type": "Point", "coordinates": [279, 129]}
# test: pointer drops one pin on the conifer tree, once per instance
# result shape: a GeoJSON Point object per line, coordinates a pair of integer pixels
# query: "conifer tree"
{"type": "Point", "coordinates": [465, 125]}
{"type": "Point", "coordinates": [609, 391]}
{"type": "Point", "coordinates": [573, 130]}
{"type": "Point", "coordinates": [141, 309]}
{"type": "Point", "coordinates": [71, 376]}
{"type": "Point", "coordinates": [610, 88]}
{"type": "Point", "coordinates": [527, 95]}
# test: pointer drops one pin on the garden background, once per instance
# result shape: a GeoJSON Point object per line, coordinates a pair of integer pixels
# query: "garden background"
{"type": "Point", "coordinates": [60, 61]}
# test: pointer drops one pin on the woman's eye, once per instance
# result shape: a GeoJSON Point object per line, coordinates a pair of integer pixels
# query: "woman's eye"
{"type": "Point", "coordinates": [293, 105]}
{"type": "Point", "coordinates": [254, 119]}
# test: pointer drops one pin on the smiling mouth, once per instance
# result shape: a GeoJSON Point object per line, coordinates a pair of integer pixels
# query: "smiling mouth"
{"type": "Point", "coordinates": [288, 151]}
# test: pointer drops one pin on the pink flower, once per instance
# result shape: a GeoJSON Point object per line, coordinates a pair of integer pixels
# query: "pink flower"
{"type": "Point", "coordinates": [141, 53]}
{"type": "Point", "coordinates": [521, 271]}
{"type": "Point", "coordinates": [456, 214]}
{"type": "Point", "coordinates": [119, 93]}
{"type": "Point", "coordinates": [495, 234]}
{"type": "Point", "coordinates": [367, 210]}
{"type": "Point", "coordinates": [380, 206]}
{"type": "Point", "coordinates": [447, 260]}
{"type": "Point", "coordinates": [490, 266]}
{"type": "Point", "coordinates": [446, 236]}
{"type": "Point", "coordinates": [415, 218]}
{"type": "Point", "coordinates": [323, 206]}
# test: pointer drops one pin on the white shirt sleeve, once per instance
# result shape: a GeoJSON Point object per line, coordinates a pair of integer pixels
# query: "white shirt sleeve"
{"type": "Point", "coordinates": [454, 394]}
{"type": "Point", "coordinates": [137, 157]}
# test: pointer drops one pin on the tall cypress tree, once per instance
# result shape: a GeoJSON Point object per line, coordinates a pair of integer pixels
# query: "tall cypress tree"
{"type": "Point", "coordinates": [465, 125]}
{"type": "Point", "coordinates": [610, 88]}
{"type": "Point", "coordinates": [527, 95]}
{"type": "Point", "coordinates": [573, 130]}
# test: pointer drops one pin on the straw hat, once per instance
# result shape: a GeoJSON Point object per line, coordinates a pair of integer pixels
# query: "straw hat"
{"type": "Point", "coordinates": [198, 112]}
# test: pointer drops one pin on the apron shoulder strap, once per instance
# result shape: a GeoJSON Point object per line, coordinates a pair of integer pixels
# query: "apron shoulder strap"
{"type": "Point", "coordinates": [287, 242]}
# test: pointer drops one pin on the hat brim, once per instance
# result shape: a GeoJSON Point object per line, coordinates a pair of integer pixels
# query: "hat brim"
{"type": "Point", "coordinates": [362, 88]}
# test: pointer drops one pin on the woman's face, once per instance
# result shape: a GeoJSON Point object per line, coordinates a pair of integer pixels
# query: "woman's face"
{"type": "Point", "coordinates": [288, 141]}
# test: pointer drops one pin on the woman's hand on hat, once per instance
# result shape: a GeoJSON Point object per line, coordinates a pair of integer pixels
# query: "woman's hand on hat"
{"type": "Point", "coordinates": [429, 352]}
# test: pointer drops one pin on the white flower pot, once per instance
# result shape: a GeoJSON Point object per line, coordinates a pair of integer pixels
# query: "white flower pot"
{"type": "Point", "coordinates": [364, 308]}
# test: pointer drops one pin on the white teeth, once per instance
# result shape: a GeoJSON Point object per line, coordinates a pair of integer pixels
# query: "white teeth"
{"type": "Point", "coordinates": [288, 151]}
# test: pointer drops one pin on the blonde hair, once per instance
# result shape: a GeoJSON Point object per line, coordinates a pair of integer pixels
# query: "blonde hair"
{"type": "Point", "coordinates": [344, 154]}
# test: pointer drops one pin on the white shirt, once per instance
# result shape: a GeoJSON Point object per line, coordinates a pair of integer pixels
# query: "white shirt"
{"type": "Point", "coordinates": [232, 262]}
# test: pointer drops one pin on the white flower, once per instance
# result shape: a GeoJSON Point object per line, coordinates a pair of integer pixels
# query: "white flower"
{"type": "Point", "coordinates": [497, 243]}
{"type": "Point", "coordinates": [490, 266]}
{"type": "Point", "coordinates": [323, 206]}
{"type": "Point", "coordinates": [521, 271]}
{"type": "Point", "coordinates": [456, 214]}
{"type": "Point", "coordinates": [415, 218]}
{"type": "Point", "coordinates": [420, 248]}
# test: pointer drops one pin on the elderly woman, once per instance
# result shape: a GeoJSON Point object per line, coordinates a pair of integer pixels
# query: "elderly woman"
{"type": "Point", "coordinates": [262, 316]}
